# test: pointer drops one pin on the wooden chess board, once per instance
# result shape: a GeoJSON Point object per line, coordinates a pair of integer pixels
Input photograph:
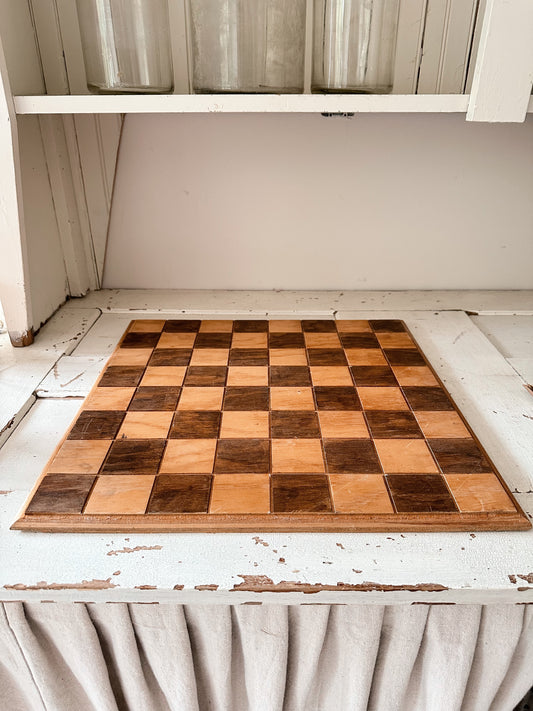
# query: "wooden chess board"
{"type": "Point", "coordinates": [314, 425]}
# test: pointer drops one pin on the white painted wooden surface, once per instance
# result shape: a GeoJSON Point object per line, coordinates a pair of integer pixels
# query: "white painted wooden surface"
{"type": "Point", "coordinates": [239, 103]}
{"type": "Point", "coordinates": [411, 24]}
{"type": "Point", "coordinates": [76, 244]}
{"type": "Point", "coordinates": [46, 261]}
{"type": "Point", "coordinates": [14, 270]}
{"type": "Point", "coordinates": [307, 202]}
{"type": "Point", "coordinates": [22, 369]}
{"type": "Point", "coordinates": [98, 140]}
{"type": "Point", "coordinates": [524, 367]}
{"type": "Point", "coordinates": [81, 150]}
{"type": "Point", "coordinates": [449, 27]}
{"type": "Point", "coordinates": [501, 86]}
{"type": "Point", "coordinates": [481, 567]}
{"type": "Point", "coordinates": [512, 335]}
{"type": "Point", "coordinates": [134, 301]}
{"type": "Point", "coordinates": [71, 376]}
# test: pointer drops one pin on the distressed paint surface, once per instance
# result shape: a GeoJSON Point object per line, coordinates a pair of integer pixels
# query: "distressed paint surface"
{"type": "Point", "coordinates": [297, 568]}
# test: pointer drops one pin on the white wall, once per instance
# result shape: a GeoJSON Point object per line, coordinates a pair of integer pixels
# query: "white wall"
{"type": "Point", "coordinates": [307, 202]}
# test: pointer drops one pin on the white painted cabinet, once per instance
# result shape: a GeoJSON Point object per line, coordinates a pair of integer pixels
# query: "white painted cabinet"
{"type": "Point", "coordinates": [58, 143]}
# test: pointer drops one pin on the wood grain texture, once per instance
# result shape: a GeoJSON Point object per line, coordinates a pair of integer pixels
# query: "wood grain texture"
{"type": "Point", "coordinates": [301, 443]}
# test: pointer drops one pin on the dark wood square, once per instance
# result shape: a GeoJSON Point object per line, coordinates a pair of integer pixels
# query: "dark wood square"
{"type": "Point", "coordinates": [206, 376]}
{"type": "Point", "coordinates": [61, 494]}
{"type": "Point", "coordinates": [430, 398]}
{"type": "Point", "coordinates": [180, 494]}
{"type": "Point", "coordinates": [134, 456]}
{"type": "Point", "coordinates": [314, 463]}
{"type": "Point", "coordinates": [300, 493]}
{"type": "Point", "coordinates": [181, 326]}
{"type": "Point", "coordinates": [291, 424]}
{"type": "Point", "coordinates": [248, 356]}
{"type": "Point", "coordinates": [420, 493]}
{"type": "Point", "coordinates": [246, 398]}
{"type": "Point", "coordinates": [195, 425]}
{"type": "Point", "coordinates": [242, 456]}
{"type": "Point", "coordinates": [170, 356]}
{"type": "Point", "coordinates": [95, 424]}
{"type": "Point", "coordinates": [459, 456]}
{"type": "Point", "coordinates": [404, 356]}
{"type": "Point", "coordinates": [319, 326]}
{"type": "Point", "coordinates": [373, 376]}
{"type": "Point", "coordinates": [286, 340]}
{"type": "Point", "coordinates": [140, 340]}
{"type": "Point", "coordinates": [351, 456]}
{"type": "Point", "coordinates": [387, 326]}
{"type": "Point", "coordinates": [121, 376]}
{"type": "Point", "coordinates": [337, 398]}
{"type": "Point", "coordinates": [295, 376]}
{"type": "Point", "coordinates": [393, 424]}
{"type": "Point", "coordinates": [155, 398]}
{"type": "Point", "coordinates": [213, 340]}
{"type": "Point", "coordinates": [326, 356]}
{"type": "Point", "coordinates": [359, 340]}
{"type": "Point", "coordinates": [244, 326]}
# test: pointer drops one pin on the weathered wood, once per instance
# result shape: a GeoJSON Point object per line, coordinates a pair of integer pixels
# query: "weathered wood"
{"type": "Point", "coordinates": [14, 269]}
{"type": "Point", "coordinates": [370, 568]}
{"type": "Point", "coordinates": [21, 371]}
{"type": "Point", "coordinates": [501, 86]}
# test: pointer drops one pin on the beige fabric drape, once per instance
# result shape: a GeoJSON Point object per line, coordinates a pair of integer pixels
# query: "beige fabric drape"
{"type": "Point", "coordinates": [135, 657]}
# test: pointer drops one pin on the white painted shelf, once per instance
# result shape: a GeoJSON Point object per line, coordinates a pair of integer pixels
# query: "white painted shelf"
{"type": "Point", "coordinates": [240, 103]}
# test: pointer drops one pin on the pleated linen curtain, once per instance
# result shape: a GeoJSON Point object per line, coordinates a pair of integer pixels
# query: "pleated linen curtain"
{"type": "Point", "coordinates": [135, 657]}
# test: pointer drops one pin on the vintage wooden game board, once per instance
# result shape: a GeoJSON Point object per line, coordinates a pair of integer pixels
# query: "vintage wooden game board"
{"type": "Point", "coordinates": [314, 425]}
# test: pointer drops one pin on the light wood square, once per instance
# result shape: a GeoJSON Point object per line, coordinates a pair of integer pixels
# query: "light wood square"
{"type": "Point", "coordinates": [365, 356]}
{"type": "Point", "coordinates": [247, 375]}
{"type": "Point", "coordinates": [440, 425]}
{"type": "Point", "coordinates": [479, 492]}
{"type": "Point", "coordinates": [283, 326]}
{"type": "Point", "coordinates": [210, 356]}
{"type": "Point", "coordinates": [176, 340]}
{"type": "Point", "coordinates": [395, 340]}
{"type": "Point", "coordinates": [382, 399]}
{"type": "Point", "coordinates": [109, 399]}
{"type": "Point", "coordinates": [240, 494]}
{"type": "Point", "coordinates": [360, 493]}
{"type": "Point", "coordinates": [291, 399]}
{"type": "Point", "coordinates": [297, 455]}
{"type": "Point", "coordinates": [249, 340]}
{"type": "Point", "coordinates": [130, 356]}
{"type": "Point", "coordinates": [353, 326]}
{"type": "Point", "coordinates": [405, 456]}
{"type": "Point", "coordinates": [342, 424]}
{"type": "Point", "coordinates": [120, 494]}
{"type": "Point", "coordinates": [80, 457]}
{"type": "Point", "coordinates": [288, 356]}
{"type": "Point", "coordinates": [216, 326]}
{"type": "Point", "coordinates": [201, 399]}
{"type": "Point", "coordinates": [322, 340]}
{"type": "Point", "coordinates": [147, 326]}
{"type": "Point", "coordinates": [331, 375]}
{"type": "Point", "coordinates": [414, 375]}
{"type": "Point", "coordinates": [163, 375]}
{"type": "Point", "coordinates": [145, 425]}
{"type": "Point", "coordinates": [244, 425]}
{"type": "Point", "coordinates": [189, 456]}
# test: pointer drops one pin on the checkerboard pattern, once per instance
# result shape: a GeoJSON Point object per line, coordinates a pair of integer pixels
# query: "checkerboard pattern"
{"type": "Point", "coordinates": [269, 425]}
